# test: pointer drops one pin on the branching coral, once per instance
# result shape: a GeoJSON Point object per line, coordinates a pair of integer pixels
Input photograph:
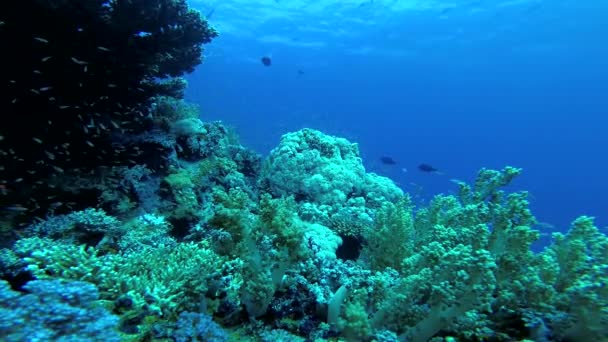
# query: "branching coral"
{"type": "Point", "coordinates": [164, 279]}
{"type": "Point", "coordinates": [459, 257]}
{"type": "Point", "coordinates": [392, 238]}
{"type": "Point", "coordinates": [575, 267]}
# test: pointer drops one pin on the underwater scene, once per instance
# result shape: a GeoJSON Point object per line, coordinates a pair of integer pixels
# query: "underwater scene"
{"type": "Point", "coordinates": [303, 170]}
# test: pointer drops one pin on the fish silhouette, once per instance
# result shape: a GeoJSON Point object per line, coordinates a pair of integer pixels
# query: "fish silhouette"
{"type": "Point", "coordinates": [267, 61]}
{"type": "Point", "coordinates": [388, 160]}
{"type": "Point", "coordinates": [427, 168]}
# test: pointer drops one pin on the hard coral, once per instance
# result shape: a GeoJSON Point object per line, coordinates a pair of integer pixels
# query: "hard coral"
{"type": "Point", "coordinates": [326, 176]}
{"type": "Point", "coordinates": [192, 326]}
{"type": "Point", "coordinates": [55, 310]}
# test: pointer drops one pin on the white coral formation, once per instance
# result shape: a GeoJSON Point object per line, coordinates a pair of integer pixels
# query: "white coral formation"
{"type": "Point", "coordinates": [326, 174]}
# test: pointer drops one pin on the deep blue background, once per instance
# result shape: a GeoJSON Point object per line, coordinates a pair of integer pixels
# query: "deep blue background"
{"type": "Point", "coordinates": [525, 86]}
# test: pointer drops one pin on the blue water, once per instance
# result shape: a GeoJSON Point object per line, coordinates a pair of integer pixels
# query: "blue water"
{"type": "Point", "coordinates": [459, 86]}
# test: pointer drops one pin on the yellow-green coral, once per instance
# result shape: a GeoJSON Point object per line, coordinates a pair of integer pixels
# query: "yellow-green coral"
{"type": "Point", "coordinates": [279, 220]}
{"type": "Point", "coordinates": [182, 187]}
{"type": "Point", "coordinates": [170, 279]}
{"type": "Point", "coordinates": [576, 267]}
{"type": "Point", "coordinates": [457, 258]}
{"type": "Point", "coordinates": [392, 238]}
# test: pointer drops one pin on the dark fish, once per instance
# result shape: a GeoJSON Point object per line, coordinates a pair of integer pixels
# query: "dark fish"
{"type": "Point", "coordinates": [427, 168]}
{"type": "Point", "coordinates": [266, 61]}
{"type": "Point", "coordinates": [300, 72]}
{"type": "Point", "coordinates": [388, 160]}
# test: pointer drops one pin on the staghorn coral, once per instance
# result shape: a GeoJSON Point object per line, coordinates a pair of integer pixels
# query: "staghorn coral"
{"type": "Point", "coordinates": [165, 279]}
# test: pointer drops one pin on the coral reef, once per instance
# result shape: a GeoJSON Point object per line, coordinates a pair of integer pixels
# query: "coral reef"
{"type": "Point", "coordinates": [460, 268]}
{"type": "Point", "coordinates": [126, 217]}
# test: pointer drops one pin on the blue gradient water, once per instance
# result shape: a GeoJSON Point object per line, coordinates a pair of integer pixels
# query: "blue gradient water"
{"type": "Point", "coordinates": [460, 86]}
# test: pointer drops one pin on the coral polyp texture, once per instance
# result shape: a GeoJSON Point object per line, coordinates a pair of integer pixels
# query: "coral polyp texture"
{"type": "Point", "coordinates": [126, 217]}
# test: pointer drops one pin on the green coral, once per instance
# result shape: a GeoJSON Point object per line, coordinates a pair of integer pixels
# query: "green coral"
{"type": "Point", "coordinates": [458, 258]}
{"type": "Point", "coordinates": [355, 323]}
{"type": "Point", "coordinates": [215, 167]}
{"type": "Point", "coordinates": [576, 268]}
{"type": "Point", "coordinates": [273, 245]}
{"type": "Point", "coordinates": [146, 231]}
{"type": "Point", "coordinates": [168, 279]}
{"type": "Point", "coordinates": [231, 215]}
{"type": "Point", "coordinates": [168, 110]}
{"type": "Point", "coordinates": [278, 218]}
{"type": "Point", "coordinates": [181, 186]}
{"type": "Point", "coordinates": [260, 280]}
{"type": "Point", "coordinates": [266, 235]}
{"type": "Point", "coordinates": [391, 240]}
{"type": "Point", "coordinates": [465, 258]}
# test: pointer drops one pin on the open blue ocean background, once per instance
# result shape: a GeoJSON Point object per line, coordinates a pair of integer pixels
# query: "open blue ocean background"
{"type": "Point", "coordinates": [459, 85]}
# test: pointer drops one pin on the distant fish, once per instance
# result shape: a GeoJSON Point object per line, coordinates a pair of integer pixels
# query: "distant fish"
{"type": "Point", "coordinates": [79, 62]}
{"type": "Point", "coordinates": [266, 61]}
{"type": "Point", "coordinates": [42, 40]}
{"type": "Point", "coordinates": [388, 160]}
{"type": "Point", "coordinates": [458, 181]}
{"type": "Point", "coordinates": [300, 72]}
{"type": "Point", "coordinates": [427, 168]}
{"type": "Point", "coordinates": [15, 208]}
{"type": "Point", "coordinates": [545, 226]}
